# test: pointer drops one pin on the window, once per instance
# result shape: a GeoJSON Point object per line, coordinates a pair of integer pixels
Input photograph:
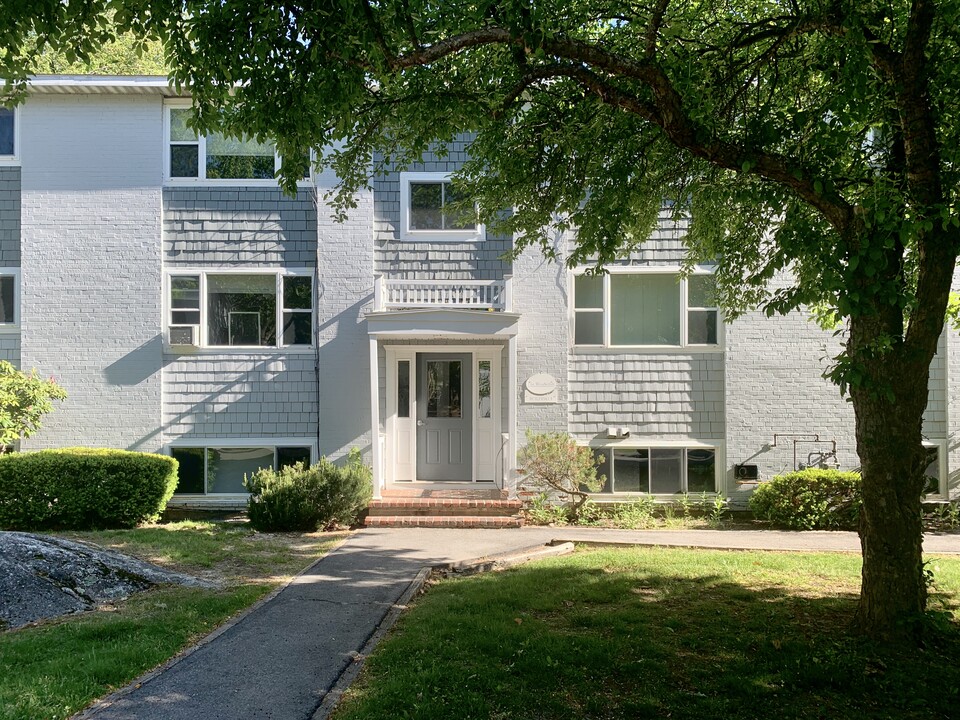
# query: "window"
{"type": "Point", "coordinates": [9, 297]}
{"type": "Point", "coordinates": [215, 156]}
{"type": "Point", "coordinates": [645, 309]}
{"type": "Point", "coordinates": [245, 309]}
{"type": "Point", "coordinates": [658, 471]}
{"type": "Point", "coordinates": [431, 208]}
{"type": "Point", "coordinates": [933, 473]}
{"type": "Point", "coordinates": [221, 470]}
{"type": "Point", "coordinates": [8, 133]}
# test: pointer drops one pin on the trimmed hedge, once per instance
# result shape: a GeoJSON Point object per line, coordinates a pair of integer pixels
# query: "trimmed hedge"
{"type": "Point", "coordinates": [83, 488]}
{"type": "Point", "coordinates": [305, 499]}
{"type": "Point", "coordinates": [810, 500]}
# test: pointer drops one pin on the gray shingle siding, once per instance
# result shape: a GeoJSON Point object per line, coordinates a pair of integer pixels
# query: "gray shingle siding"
{"type": "Point", "coordinates": [227, 395]}
{"type": "Point", "coordinates": [671, 397]}
{"type": "Point", "coordinates": [10, 348]}
{"type": "Point", "coordinates": [239, 226]}
{"type": "Point", "coordinates": [418, 260]}
{"type": "Point", "coordinates": [9, 216]}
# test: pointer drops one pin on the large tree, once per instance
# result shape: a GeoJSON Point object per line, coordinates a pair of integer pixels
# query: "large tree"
{"type": "Point", "coordinates": [815, 137]}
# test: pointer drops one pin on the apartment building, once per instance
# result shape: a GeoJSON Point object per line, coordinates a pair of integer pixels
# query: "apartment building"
{"type": "Point", "coordinates": [189, 307]}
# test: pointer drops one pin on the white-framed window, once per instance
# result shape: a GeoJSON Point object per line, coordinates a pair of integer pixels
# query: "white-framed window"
{"type": "Point", "coordinates": [9, 135]}
{"type": "Point", "coordinates": [656, 470]}
{"type": "Point", "coordinates": [242, 308]}
{"type": "Point", "coordinates": [219, 467]}
{"type": "Point", "coordinates": [214, 158]}
{"type": "Point", "coordinates": [9, 298]}
{"type": "Point", "coordinates": [627, 307]}
{"type": "Point", "coordinates": [936, 471]}
{"type": "Point", "coordinates": [431, 209]}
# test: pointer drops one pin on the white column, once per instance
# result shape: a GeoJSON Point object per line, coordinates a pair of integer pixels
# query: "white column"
{"type": "Point", "coordinates": [375, 447]}
{"type": "Point", "coordinates": [511, 457]}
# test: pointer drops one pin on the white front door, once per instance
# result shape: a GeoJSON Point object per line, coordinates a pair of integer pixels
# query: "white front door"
{"type": "Point", "coordinates": [443, 411]}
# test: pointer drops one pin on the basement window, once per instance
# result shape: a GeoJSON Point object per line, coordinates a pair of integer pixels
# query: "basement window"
{"type": "Point", "coordinates": [658, 471]}
{"type": "Point", "coordinates": [221, 470]}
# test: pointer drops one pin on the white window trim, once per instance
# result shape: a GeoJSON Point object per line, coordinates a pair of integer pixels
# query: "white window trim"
{"type": "Point", "coordinates": [13, 160]}
{"type": "Point", "coordinates": [607, 346]}
{"type": "Point", "coordinates": [202, 160]}
{"type": "Point", "coordinates": [719, 478]}
{"type": "Point", "coordinates": [13, 327]}
{"type": "Point", "coordinates": [252, 442]}
{"type": "Point", "coordinates": [205, 347]}
{"type": "Point", "coordinates": [942, 450]}
{"type": "Point", "coordinates": [406, 178]}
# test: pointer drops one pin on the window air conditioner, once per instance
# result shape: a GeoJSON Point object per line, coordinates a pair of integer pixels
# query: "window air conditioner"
{"type": "Point", "coordinates": [185, 335]}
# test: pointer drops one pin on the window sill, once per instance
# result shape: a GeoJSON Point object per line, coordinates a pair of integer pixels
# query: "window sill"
{"type": "Point", "coordinates": [237, 182]}
{"type": "Point", "coordinates": [8, 161]}
{"type": "Point", "coordinates": [9, 329]}
{"type": "Point", "coordinates": [647, 349]}
{"type": "Point", "coordinates": [441, 236]}
{"type": "Point", "coordinates": [238, 351]}
{"type": "Point", "coordinates": [660, 499]}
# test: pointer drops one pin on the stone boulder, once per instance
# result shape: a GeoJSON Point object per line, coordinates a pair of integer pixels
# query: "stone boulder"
{"type": "Point", "coordinates": [42, 576]}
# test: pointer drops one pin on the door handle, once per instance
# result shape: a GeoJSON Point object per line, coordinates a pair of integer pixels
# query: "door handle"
{"type": "Point", "coordinates": [420, 423]}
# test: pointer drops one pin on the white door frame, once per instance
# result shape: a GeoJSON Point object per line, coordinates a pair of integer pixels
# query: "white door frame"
{"type": "Point", "coordinates": [400, 459]}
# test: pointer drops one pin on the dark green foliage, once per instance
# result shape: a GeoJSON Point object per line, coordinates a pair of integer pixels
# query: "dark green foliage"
{"type": "Point", "coordinates": [83, 488]}
{"type": "Point", "coordinates": [306, 499]}
{"type": "Point", "coordinates": [810, 500]}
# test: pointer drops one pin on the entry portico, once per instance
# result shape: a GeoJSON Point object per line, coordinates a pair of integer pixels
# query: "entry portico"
{"type": "Point", "coordinates": [442, 377]}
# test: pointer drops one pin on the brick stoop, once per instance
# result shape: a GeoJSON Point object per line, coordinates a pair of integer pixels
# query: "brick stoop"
{"type": "Point", "coordinates": [444, 507]}
{"type": "Point", "coordinates": [442, 521]}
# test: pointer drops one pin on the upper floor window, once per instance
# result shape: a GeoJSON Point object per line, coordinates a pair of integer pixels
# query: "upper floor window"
{"type": "Point", "coordinates": [9, 298]}
{"type": "Point", "coordinates": [431, 209]}
{"type": "Point", "coordinates": [241, 309]}
{"type": "Point", "coordinates": [645, 309]}
{"type": "Point", "coordinates": [8, 133]}
{"type": "Point", "coordinates": [216, 157]}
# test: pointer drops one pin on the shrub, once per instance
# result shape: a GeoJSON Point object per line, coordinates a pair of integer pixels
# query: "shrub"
{"type": "Point", "coordinates": [24, 399]}
{"type": "Point", "coordinates": [810, 500]}
{"type": "Point", "coordinates": [305, 499]}
{"type": "Point", "coordinates": [554, 461]}
{"type": "Point", "coordinates": [83, 488]}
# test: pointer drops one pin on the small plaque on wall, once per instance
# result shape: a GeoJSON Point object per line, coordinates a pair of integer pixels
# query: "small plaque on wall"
{"type": "Point", "coordinates": [541, 388]}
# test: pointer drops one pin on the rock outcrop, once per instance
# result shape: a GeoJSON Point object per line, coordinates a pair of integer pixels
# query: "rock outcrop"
{"type": "Point", "coordinates": [42, 576]}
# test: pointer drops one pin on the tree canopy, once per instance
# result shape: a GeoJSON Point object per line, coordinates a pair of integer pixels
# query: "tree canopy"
{"type": "Point", "coordinates": [816, 137]}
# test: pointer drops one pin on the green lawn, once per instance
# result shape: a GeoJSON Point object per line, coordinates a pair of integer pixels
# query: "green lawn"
{"type": "Point", "coordinates": [657, 633]}
{"type": "Point", "coordinates": [57, 668]}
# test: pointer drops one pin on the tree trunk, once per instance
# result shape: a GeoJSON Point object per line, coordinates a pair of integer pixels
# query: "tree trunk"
{"type": "Point", "coordinates": [889, 415]}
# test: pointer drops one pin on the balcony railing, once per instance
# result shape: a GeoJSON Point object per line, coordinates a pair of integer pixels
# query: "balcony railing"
{"type": "Point", "coordinates": [390, 294]}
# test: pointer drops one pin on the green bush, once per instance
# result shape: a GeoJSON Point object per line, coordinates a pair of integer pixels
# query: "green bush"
{"type": "Point", "coordinates": [810, 500]}
{"type": "Point", "coordinates": [83, 488]}
{"type": "Point", "coordinates": [299, 498]}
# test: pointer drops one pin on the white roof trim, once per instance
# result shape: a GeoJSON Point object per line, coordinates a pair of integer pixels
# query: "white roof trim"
{"type": "Point", "coordinates": [102, 84]}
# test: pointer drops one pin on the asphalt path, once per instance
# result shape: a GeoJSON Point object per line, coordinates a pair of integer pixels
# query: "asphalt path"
{"type": "Point", "coordinates": [281, 659]}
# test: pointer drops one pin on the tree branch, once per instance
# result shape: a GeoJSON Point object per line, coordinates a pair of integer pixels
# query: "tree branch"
{"type": "Point", "coordinates": [653, 28]}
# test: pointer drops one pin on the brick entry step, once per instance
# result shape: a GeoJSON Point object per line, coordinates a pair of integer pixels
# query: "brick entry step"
{"type": "Point", "coordinates": [425, 506]}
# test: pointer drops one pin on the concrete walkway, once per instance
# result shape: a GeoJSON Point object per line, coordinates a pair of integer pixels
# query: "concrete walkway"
{"type": "Point", "coordinates": [281, 659]}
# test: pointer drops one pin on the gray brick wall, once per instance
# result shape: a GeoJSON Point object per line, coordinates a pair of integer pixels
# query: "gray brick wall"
{"type": "Point", "coordinates": [9, 216]}
{"type": "Point", "coordinates": [239, 226]}
{"type": "Point", "coordinates": [420, 260]}
{"type": "Point", "coordinates": [346, 291]}
{"type": "Point", "coordinates": [209, 396]}
{"type": "Point", "coordinates": [540, 296]}
{"type": "Point", "coordinates": [91, 270]}
{"type": "Point", "coordinates": [669, 397]}
{"type": "Point", "coordinates": [952, 411]}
